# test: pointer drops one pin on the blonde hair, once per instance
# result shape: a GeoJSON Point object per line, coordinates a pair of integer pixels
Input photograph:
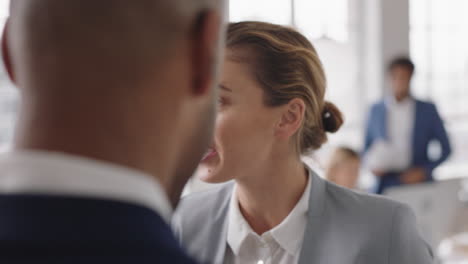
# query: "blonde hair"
{"type": "Point", "coordinates": [287, 66]}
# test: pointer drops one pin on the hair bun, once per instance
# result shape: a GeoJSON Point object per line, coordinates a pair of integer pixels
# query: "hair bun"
{"type": "Point", "coordinates": [331, 117]}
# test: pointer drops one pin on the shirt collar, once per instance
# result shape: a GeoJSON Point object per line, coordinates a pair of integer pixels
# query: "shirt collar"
{"type": "Point", "coordinates": [238, 228]}
{"type": "Point", "coordinates": [41, 172]}
{"type": "Point", "coordinates": [288, 234]}
{"type": "Point", "coordinates": [391, 101]}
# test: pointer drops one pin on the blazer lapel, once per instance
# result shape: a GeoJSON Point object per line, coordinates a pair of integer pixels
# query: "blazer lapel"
{"type": "Point", "coordinates": [312, 251]}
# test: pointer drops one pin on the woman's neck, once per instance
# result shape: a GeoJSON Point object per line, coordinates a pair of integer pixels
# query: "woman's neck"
{"type": "Point", "coordinates": [267, 198]}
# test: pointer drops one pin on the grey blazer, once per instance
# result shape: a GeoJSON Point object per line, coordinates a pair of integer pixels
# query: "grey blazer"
{"type": "Point", "coordinates": [344, 227]}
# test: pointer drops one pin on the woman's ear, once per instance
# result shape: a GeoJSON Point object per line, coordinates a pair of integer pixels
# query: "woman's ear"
{"type": "Point", "coordinates": [292, 116]}
{"type": "Point", "coordinates": [6, 53]}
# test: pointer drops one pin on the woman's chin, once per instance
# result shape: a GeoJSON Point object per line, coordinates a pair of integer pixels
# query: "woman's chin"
{"type": "Point", "coordinates": [211, 174]}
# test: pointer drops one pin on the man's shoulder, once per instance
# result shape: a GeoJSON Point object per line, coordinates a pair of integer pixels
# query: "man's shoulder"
{"type": "Point", "coordinates": [376, 106]}
{"type": "Point", "coordinates": [64, 255]}
{"type": "Point", "coordinates": [75, 228]}
{"type": "Point", "coordinates": [427, 108]}
{"type": "Point", "coordinates": [425, 103]}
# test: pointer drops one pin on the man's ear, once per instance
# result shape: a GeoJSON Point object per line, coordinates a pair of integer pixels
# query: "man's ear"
{"type": "Point", "coordinates": [205, 51]}
{"type": "Point", "coordinates": [6, 53]}
{"type": "Point", "coordinates": [292, 117]}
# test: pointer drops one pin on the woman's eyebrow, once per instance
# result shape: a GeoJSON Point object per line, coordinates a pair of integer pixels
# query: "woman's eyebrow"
{"type": "Point", "coordinates": [223, 87]}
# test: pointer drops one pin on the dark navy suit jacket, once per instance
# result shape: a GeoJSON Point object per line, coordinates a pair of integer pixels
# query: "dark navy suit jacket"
{"type": "Point", "coordinates": [53, 229]}
{"type": "Point", "coordinates": [428, 127]}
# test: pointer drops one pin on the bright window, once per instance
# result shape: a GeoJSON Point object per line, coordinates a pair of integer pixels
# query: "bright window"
{"type": "Point", "coordinates": [318, 19]}
{"type": "Point", "coordinates": [8, 95]}
{"type": "Point", "coordinates": [439, 47]}
{"type": "Point", "coordinates": [315, 18]}
{"type": "Point", "coordinates": [273, 11]}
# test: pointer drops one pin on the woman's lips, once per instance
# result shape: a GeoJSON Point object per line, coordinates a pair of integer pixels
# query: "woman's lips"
{"type": "Point", "coordinates": [209, 154]}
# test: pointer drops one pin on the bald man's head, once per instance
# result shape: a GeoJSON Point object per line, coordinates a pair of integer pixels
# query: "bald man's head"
{"type": "Point", "coordinates": [117, 37]}
{"type": "Point", "coordinates": [126, 81]}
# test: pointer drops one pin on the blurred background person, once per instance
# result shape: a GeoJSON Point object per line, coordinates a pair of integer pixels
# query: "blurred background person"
{"type": "Point", "coordinates": [400, 129]}
{"type": "Point", "coordinates": [344, 167]}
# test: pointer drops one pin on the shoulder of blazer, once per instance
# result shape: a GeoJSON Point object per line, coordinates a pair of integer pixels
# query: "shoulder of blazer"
{"type": "Point", "coordinates": [200, 202]}
{"type": "Point", "coordinates": [372, 216]}
{"type": "Point", "coordinates": [200, 223]}
{"type": "Point", "coordinates": [343, 217]}
{"type": "Point", "coordinates": [202, 207]}
{"type": "Point", "coordinates": [379, 227]}
{"type": "Point", "coordinates": [378, 105]}
{"type": "Point", "coordinates": [426, 110]}
{"type": "Point", "coordinates": [425, 104]}
{"type": "Point", "coordinates": [359, 204]}
{"type": "Point", "coordinates": [377, 109]}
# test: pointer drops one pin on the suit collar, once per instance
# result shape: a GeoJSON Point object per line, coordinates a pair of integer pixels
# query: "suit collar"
{"type": "Point", "coordinates": [49, 173]}
{"type": "Point", "coordinates": [391, 100]}
{"type": "Point", "coordinates": [79, 222]}
{"type": "Point", "coordinates": [317, 195]}
{"type": "Point", "coordinates": [317, 206]}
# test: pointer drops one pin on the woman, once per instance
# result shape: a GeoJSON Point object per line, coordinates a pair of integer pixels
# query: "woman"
{"type": "Point", "coordinates": [272, 110]}
{"type": "Point", "coordinates": [343, 167]}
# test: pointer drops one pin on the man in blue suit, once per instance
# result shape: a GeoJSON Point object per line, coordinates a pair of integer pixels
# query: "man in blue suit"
{"type": "Point", "coordinates": [118, 104]}
{"type": "Point", "coordinates": [404, 127]}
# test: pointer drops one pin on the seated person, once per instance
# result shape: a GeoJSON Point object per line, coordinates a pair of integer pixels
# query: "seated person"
{"type": "Point", "coordinates": [343, 167]}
